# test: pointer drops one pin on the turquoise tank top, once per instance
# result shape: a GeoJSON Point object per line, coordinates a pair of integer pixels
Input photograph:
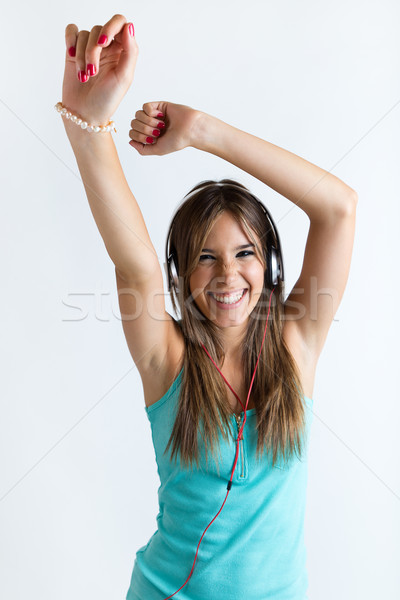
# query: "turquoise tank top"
{"type": "Point", "coordinates": [255, 548]}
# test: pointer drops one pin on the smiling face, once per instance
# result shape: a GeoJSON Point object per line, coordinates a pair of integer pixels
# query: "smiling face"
{"type": "Point", "coordinates": [229, 277]}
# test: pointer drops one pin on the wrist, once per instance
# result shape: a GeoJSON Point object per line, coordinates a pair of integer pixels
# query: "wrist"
{"type": "Point", "coordinates": [205, 132]}
{"type": "Point", "coordinates": [81, 138]}
{"type": "Point", "coordinates": [80, 130]}
{"type": "Point", "coordinates": [90, 126]}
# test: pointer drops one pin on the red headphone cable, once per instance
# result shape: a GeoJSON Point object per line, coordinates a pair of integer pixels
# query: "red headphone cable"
{"type": "Point", "coordinates": [237, 441]}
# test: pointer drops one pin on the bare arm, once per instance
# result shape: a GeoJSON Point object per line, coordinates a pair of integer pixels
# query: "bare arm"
{"type": "Point", "coordinates": [110, 65]}
{"type": "Point", "coordinates": [329, 203]}
{"type": "Point", "coordinates": [331, 207]}
{"type": "Point", "coordinates": [109, 69]}
{"type": "Point", "coordinates": [114, 207]}
{"type": "Point", "coordinates": [314, 190]}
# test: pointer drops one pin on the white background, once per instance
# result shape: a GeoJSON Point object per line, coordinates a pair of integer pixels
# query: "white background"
{"type": "Point", "coordinates": [78, 481]}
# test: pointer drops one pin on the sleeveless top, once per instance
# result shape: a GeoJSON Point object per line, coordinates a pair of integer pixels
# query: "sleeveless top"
{"type": "Point", "coordinates": [254, 550]}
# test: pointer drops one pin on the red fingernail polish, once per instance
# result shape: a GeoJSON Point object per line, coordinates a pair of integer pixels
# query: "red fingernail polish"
{"type": "Point", "coordinates": [72, 51]}
{"type": "Point", "coordinates": [91, 70]}
{"type": "Point", "coordinates": [161, 125]}
{"type": "Point", "coordinates": [160, 116]}
{"type": "Point", "coordinates": [149, 140]}
{"type": "Point", "coordinates": [156, 132]}
{"type": "Point", "coordinates": [131, 29]}
{"type": "Point", "coordinates": [82, 77]}
{"type": "Point", "coordinates": [102, 39]}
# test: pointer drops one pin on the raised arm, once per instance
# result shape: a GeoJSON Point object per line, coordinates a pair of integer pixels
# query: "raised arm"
{"type": "Point", "coordinates": [329, 203]}
{"type": "Point", "coordinates": [114, 207]}
{"type": "Point", "coordinates": [331, 207]}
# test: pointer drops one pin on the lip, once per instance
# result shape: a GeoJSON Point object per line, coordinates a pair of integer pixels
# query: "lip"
{"type": "Point", "coordinates": [224, 306]}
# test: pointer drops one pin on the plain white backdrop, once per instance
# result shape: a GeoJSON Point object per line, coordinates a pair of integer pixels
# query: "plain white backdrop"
{"type": "Point", "coordinates": [78, 480]}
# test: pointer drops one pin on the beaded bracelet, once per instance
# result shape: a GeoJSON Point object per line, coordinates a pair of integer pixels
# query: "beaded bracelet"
{"type": "Point", "coordinates": [84, 124]}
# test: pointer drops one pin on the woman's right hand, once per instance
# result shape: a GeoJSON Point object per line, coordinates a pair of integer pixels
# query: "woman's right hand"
{"type": "Point", "coordinates": [109, 69]}
{"type": "Point", "coordinates": [164, 127]}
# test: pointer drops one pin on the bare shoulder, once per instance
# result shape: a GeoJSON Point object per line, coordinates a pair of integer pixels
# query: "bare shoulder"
{"type": "Point", "coordinates": [157, 379]}
{"type": "Point", "coordinates": [154, 338]}
{"type": "Point", "coordinates": [305, 360]}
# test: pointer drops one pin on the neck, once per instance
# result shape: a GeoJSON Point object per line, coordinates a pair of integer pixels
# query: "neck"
{"type": "Point", "coordinates": [232, 339]}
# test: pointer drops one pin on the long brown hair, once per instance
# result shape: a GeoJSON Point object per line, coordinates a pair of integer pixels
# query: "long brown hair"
{"type": "Point", "coordinates": [277, 391]}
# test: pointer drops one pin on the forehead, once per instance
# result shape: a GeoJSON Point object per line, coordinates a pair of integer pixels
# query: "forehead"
{"type": "Point", "coordinates": [225, 229]}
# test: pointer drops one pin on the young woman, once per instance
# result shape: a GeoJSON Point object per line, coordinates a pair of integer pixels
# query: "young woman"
{"type": "Point", "coordinates": [228, 387]}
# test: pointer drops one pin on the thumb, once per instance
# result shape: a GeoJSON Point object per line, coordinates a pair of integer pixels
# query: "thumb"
{"type": "Point", "coordinates": [143, 149]}
{"type": "Point", "coordinates": [130, 51]}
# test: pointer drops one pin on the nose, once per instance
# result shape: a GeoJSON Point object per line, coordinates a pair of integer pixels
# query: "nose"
{"type": "Point", "coordinates": [227, 272]}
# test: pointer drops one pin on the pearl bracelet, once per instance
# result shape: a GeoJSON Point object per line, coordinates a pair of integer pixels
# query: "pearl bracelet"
{"type": "Point", "coordinates": [84, 124]}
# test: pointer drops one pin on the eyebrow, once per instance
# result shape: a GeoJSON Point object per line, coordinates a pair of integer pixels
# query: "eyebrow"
{"type": "Point", "coordinates": [237, 248]}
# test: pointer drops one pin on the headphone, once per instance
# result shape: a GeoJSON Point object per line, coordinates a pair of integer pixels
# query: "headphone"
{"type": "Point", "coordinates": [275, 270]}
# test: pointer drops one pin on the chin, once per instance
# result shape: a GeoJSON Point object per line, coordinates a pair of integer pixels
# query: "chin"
{"type": "Point", "coordinates": [227, 320]}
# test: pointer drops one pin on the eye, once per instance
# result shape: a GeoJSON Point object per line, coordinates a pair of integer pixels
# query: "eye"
{"type": "Point", "coordinates": [246, 253]}
{"type": "Point", "coordinates": [204, 257]}
{"type": "Point", "coordinates": [242, 254]}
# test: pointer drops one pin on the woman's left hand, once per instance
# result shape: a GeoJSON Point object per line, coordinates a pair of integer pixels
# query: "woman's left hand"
{"type": "Point", "coordinates": [154, 135]}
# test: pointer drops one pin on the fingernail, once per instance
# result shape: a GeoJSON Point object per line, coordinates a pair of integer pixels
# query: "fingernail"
{"type": "Point", "coordinates": [131, 29]}
{"type": "Point", "coordinates": [91, 70]}
{"type": "Point", "coordinates": [149, 140]}
{"type": "Point", "coordinates": [156, 132]}
{"type": "Point", "coordinates": [160, 116]}
{"type": "Point", "coordinates": [161, 125]}
{"type": "Point", "coordinates": [72, 51]}
{"type": "Point", "coordinates": [82, 77]}
{"type": "Point", "coordinates": [102, 39]}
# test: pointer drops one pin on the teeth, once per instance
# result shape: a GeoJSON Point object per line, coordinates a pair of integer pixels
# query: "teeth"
{"type": "Point", "coordinates": [228, 299]}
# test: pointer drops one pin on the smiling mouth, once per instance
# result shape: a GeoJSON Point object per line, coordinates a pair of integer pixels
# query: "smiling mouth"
{"type": "Point", "coordinates": [228, 299]}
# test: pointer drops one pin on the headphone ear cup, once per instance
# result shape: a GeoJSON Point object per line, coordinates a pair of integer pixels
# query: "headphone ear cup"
{"type": "Point", "coordinates": [276, 270]}
{"type": "Point", "coordinates": [173, 278]}
{"type": "Point", "coordinates": [275, 258]}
